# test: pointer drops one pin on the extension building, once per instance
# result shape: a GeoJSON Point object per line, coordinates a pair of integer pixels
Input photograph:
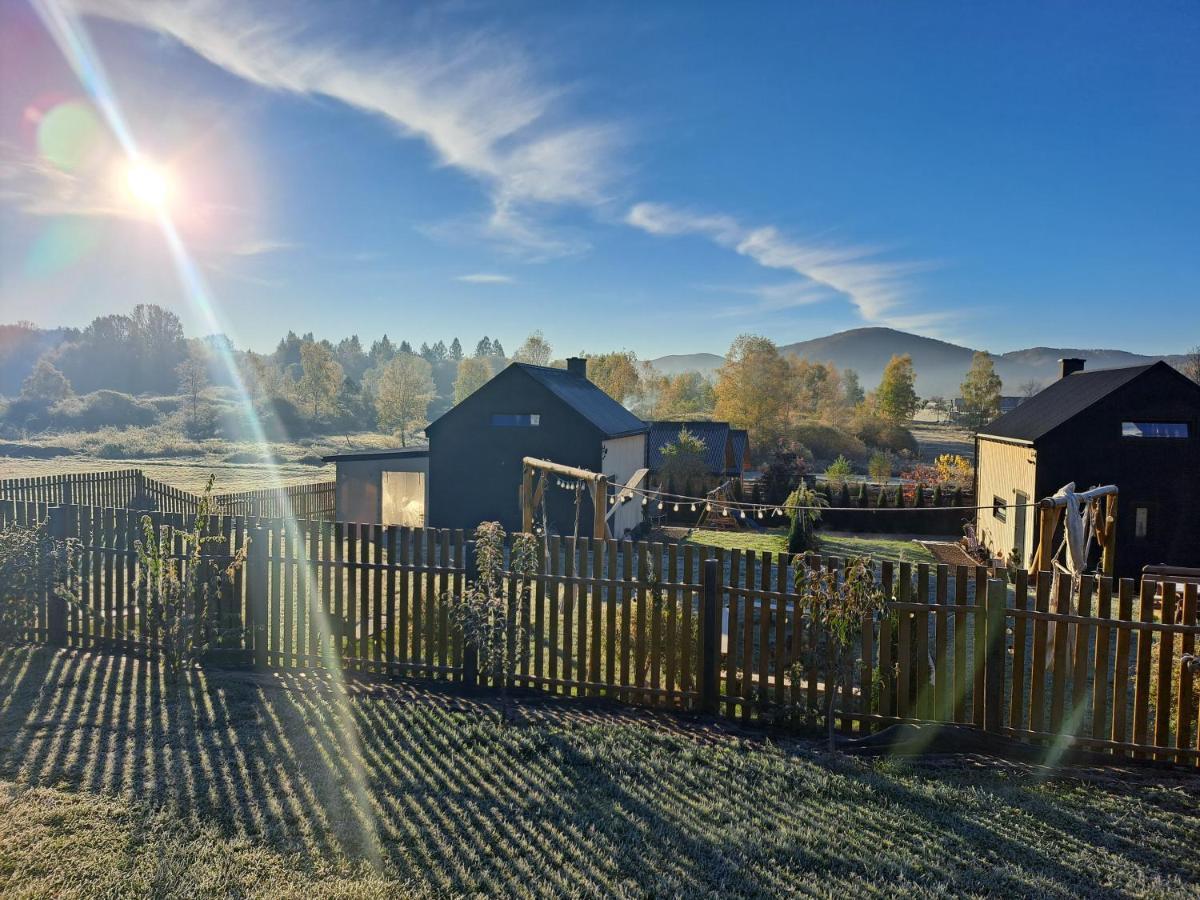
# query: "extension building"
{"type": "Point", "coordinates": [1133, 427]}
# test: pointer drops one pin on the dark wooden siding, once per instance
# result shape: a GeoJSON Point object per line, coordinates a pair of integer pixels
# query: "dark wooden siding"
{"type": "Point", "coordinates": [475, 468]}
{"type": "Point", "coordinates": [1162, 473]}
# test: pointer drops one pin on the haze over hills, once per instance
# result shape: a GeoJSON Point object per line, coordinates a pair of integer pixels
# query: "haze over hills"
{"type": "Point", "coordinates": [940, 365]}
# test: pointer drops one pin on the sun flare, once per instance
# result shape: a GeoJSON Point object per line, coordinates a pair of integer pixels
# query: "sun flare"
{"type": "Point", "coordinates": [148, 184]}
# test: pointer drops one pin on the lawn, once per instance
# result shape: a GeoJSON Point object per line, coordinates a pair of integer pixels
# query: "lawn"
{"type": "Point", "coordinates": [162, 453]}
{"type": "Point", "coordinates": [835, 543]}
{"type": "Point", "coordinates": [290, 785]}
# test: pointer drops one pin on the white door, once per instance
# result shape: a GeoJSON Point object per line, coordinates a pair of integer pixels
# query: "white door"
{"type": "Point", "coordinates": [403, 496]}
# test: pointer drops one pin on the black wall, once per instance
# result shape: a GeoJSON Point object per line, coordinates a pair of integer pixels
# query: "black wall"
{"type": "Point", "coordinates": [1162, 473]}
{"type": "Point", "coordinates": [475, 468]}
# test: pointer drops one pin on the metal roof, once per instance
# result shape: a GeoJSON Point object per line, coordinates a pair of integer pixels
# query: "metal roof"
{"type": "Point", "coordinates": [394, 453]}
{"type": "Point", "coordinates": [714, 434]}
{"type": "Point", "coordinates": [739, 438]}
{"type": "Point", "coordinates": [609, 416]}
{"type": "Point", "coordinates": [1062, 400]}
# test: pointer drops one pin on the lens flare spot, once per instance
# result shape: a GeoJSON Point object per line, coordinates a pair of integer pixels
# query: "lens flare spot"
{"type": "Point", "coordinates": [148, 184]}
{"type": "Point", "coordinates": [62, 244]}
{"type": "Point", "coordinates": [69, 135]}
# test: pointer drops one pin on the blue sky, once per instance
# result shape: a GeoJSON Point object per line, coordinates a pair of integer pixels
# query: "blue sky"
{"type": "Point", "coordinates": [655, 177]}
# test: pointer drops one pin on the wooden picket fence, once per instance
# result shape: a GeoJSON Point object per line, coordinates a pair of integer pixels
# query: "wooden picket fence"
{"type": "Point", "coordinates": [133, 488]}
{"type": "Point", "coordinates": [1101, 664]}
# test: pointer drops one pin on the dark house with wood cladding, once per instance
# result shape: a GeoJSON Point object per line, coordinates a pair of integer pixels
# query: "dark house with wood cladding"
{"type": "Point", "coordinates": [1137, 428]}
{"type": "Point", "coordinates": [476, 448]}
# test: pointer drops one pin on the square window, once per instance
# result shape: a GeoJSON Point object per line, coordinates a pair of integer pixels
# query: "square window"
{"type": "Point", "coordinates": [999, 509]}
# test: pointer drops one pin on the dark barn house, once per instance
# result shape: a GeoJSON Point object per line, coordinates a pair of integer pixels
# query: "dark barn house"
{"type": "Point", "coordinates": [726, 450]}
{"type": "Point", "coordinates": [476, 448]}
{"type": "Point", "coordinates": [1132, 427]}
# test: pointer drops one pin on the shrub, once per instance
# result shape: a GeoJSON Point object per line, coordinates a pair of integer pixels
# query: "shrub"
{"type": "Point", "coordinates": [884, 435]}
{"type": "Point", "coordinates": [101, 409]}
{"type": "Point", "coordinates": [861, 497]}
{"type": "Point", "coordinates": [839, 470]}
{"type": "Point", "coordinates": [880, 466]}
{"type": "Point", "coordinates": [828, 443]}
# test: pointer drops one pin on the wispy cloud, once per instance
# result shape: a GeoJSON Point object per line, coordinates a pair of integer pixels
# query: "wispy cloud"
{"type": "Point", "coordinates": [877, 289]}
{"type": "Point", "coordinates": [475, 100]}
{"type": "Point", "coordinates": [485, 278]}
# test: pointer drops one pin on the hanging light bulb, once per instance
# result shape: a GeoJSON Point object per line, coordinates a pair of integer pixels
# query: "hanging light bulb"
{"type": "Point", "coordinates": [760, 513]}
{"type": "Point", "coordinates": [743, 514]}
{"type": "Point", "coordinates": [708, 507]}
{"type": "Point", "coordinates": [724, 511]}
{"type": "Point", "coordinates": [693, 507]}
{"type": "Point", "coordinates": [660, 504]}
{"type": "Point", "coordinates": [612, 500]}
{"type": "Point", "coordinates": [676, 507]}
{"type": "Point", "coordinates": [645, 500]}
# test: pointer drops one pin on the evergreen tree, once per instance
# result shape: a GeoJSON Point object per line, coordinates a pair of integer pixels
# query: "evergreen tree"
{"type": "Point", "coordinates": [484, 347]}
{"type": "Point", "coordinates": [405, 347]}
{"type": "Point", "coordinates": [438, 352]}
{"type": "Point", "coordinates": [456, 351]}
{"type": "Point", "coordinates": [497, 350]}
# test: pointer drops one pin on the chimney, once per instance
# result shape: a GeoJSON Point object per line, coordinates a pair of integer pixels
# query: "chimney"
{"type": "Point", "coordinates": [1070, 366]}
{"type": "Point", "coordinates": [577, 365]}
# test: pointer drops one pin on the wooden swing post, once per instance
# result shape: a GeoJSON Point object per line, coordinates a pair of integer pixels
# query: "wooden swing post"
{"type": "Point", "coordinates": [597, 486]}
{"type": "Point", "coordinates": [1050, 513]}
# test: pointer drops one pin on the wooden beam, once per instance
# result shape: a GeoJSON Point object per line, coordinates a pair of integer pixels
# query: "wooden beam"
{"type": "Point", "coordinates": [559, 469]}
{"type": "Point", "coordinates": [527, 500]}
{"type": "Point", "coordinates": [599, 508]}
{"type": "Point", "coordinates": [1108, 559]}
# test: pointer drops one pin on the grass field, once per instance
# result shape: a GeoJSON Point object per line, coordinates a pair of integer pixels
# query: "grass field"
{"type": "Point", "coordinates": [179, 462]}
{"type": "Point", "coordinates": [834, 543]}
{"type": "Point", "coordinates": [242, 785]}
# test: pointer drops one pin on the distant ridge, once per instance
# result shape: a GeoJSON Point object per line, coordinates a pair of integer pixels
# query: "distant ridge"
{"type": "Point", "coordinates": [940, 365]}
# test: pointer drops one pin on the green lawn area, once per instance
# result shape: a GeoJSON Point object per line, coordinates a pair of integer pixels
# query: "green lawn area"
{"type": "Point", "coordinates": [290, 785]}
{"type": "Point", "coordinates": [838, 544]}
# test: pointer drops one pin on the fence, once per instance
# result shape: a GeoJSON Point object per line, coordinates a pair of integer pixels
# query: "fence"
{"type": "Point", "coordinates": [134, 489]}
{"type": "Point", "coordinates": [1103, 664]}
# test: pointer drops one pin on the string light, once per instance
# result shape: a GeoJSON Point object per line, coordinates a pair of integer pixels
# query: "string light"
{"type": "Point", "coordinates": [676, 507]}
{"type": "Point", "coordinates": [693, 507]}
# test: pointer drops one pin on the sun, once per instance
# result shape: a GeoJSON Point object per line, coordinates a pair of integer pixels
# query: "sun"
{"type": "Point", "coordinates": [148, 184]}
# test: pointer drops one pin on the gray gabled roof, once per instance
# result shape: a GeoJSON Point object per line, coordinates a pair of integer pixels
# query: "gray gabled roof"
{"type": "Point", "coordinates": [1062, 400]}
{"type": "Point", "coordinates": [609, 416]}
{"type": "Point", "coordinates": [714, 434]}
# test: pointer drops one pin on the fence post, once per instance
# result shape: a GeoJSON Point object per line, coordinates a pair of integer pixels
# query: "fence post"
{"type": "Point", "coordinates": [257, 553]}
{"type": "Point", "coordinates": [470, 659]}
{"type": "Point", "coordinates": [56, 604]}
{"type": "Point", "coordinates": [994, 657]}
{"type": "Point", "coordinates": [711, 630]}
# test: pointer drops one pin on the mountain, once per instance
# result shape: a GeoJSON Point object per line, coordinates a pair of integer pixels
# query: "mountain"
{"type": "Point", "coordinates": [705, 363]}
{"type": "Point", "coordinates": [940, 365]}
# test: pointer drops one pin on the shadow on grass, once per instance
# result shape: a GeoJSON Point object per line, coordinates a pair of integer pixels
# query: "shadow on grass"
{"type": "Point", "coordinates": [431, 791]}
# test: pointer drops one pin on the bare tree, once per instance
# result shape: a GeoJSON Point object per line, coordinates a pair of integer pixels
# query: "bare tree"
{"type": "Point", "coordinates": [1030, 388]}
{"type": "Point", "coordinates": [1191, 364]}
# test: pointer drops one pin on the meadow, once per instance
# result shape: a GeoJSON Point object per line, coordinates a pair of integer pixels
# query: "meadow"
{"type": "Point", "coordinates": [292, 785]}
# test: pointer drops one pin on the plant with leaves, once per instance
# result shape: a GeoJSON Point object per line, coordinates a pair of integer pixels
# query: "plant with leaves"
{"type": "Point", "coordinates": [536, 350]}
{"type": "Point", "coordinates": [45, 385]}
{"type": "Point", "coordinates": [473, 373]}
{"type": "Point", "coordinates": [181, 581]}
{"type": "Point", "coordinates": [836, 612]}
{"type": "Point", "coordinates": [617, 374]}
{"type": "Point", "coordinates": [403, 393]}
{"type": "Point", "coordinates": [980, 391]}
{"type": "Point", "coordinates": [879, 467]}
{"type": "Point", "coordinates": [754, 389]}
{"type": "Point", "coordinates": [483, 615]}
{"type": "Point", "coordinates": [805, 511]}
{"type": "Point", "coordinates": [30, 562]}
{"type": "Point", "coordinates": [683, 459]}
{"type": "Point", "coordinates": [896, 399]}
{"type": "Point", "coordinates": [320, 380]}
{"type": "Point", "coordinates": [839, 470]}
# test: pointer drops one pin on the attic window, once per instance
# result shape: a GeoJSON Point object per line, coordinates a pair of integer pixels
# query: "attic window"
{"type": "Point", "coordinates": [1154, 429]}
{"type": "Point", "coordinates": [999, 509]}
{"type": "Point", "coordinates": [516, 420]}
